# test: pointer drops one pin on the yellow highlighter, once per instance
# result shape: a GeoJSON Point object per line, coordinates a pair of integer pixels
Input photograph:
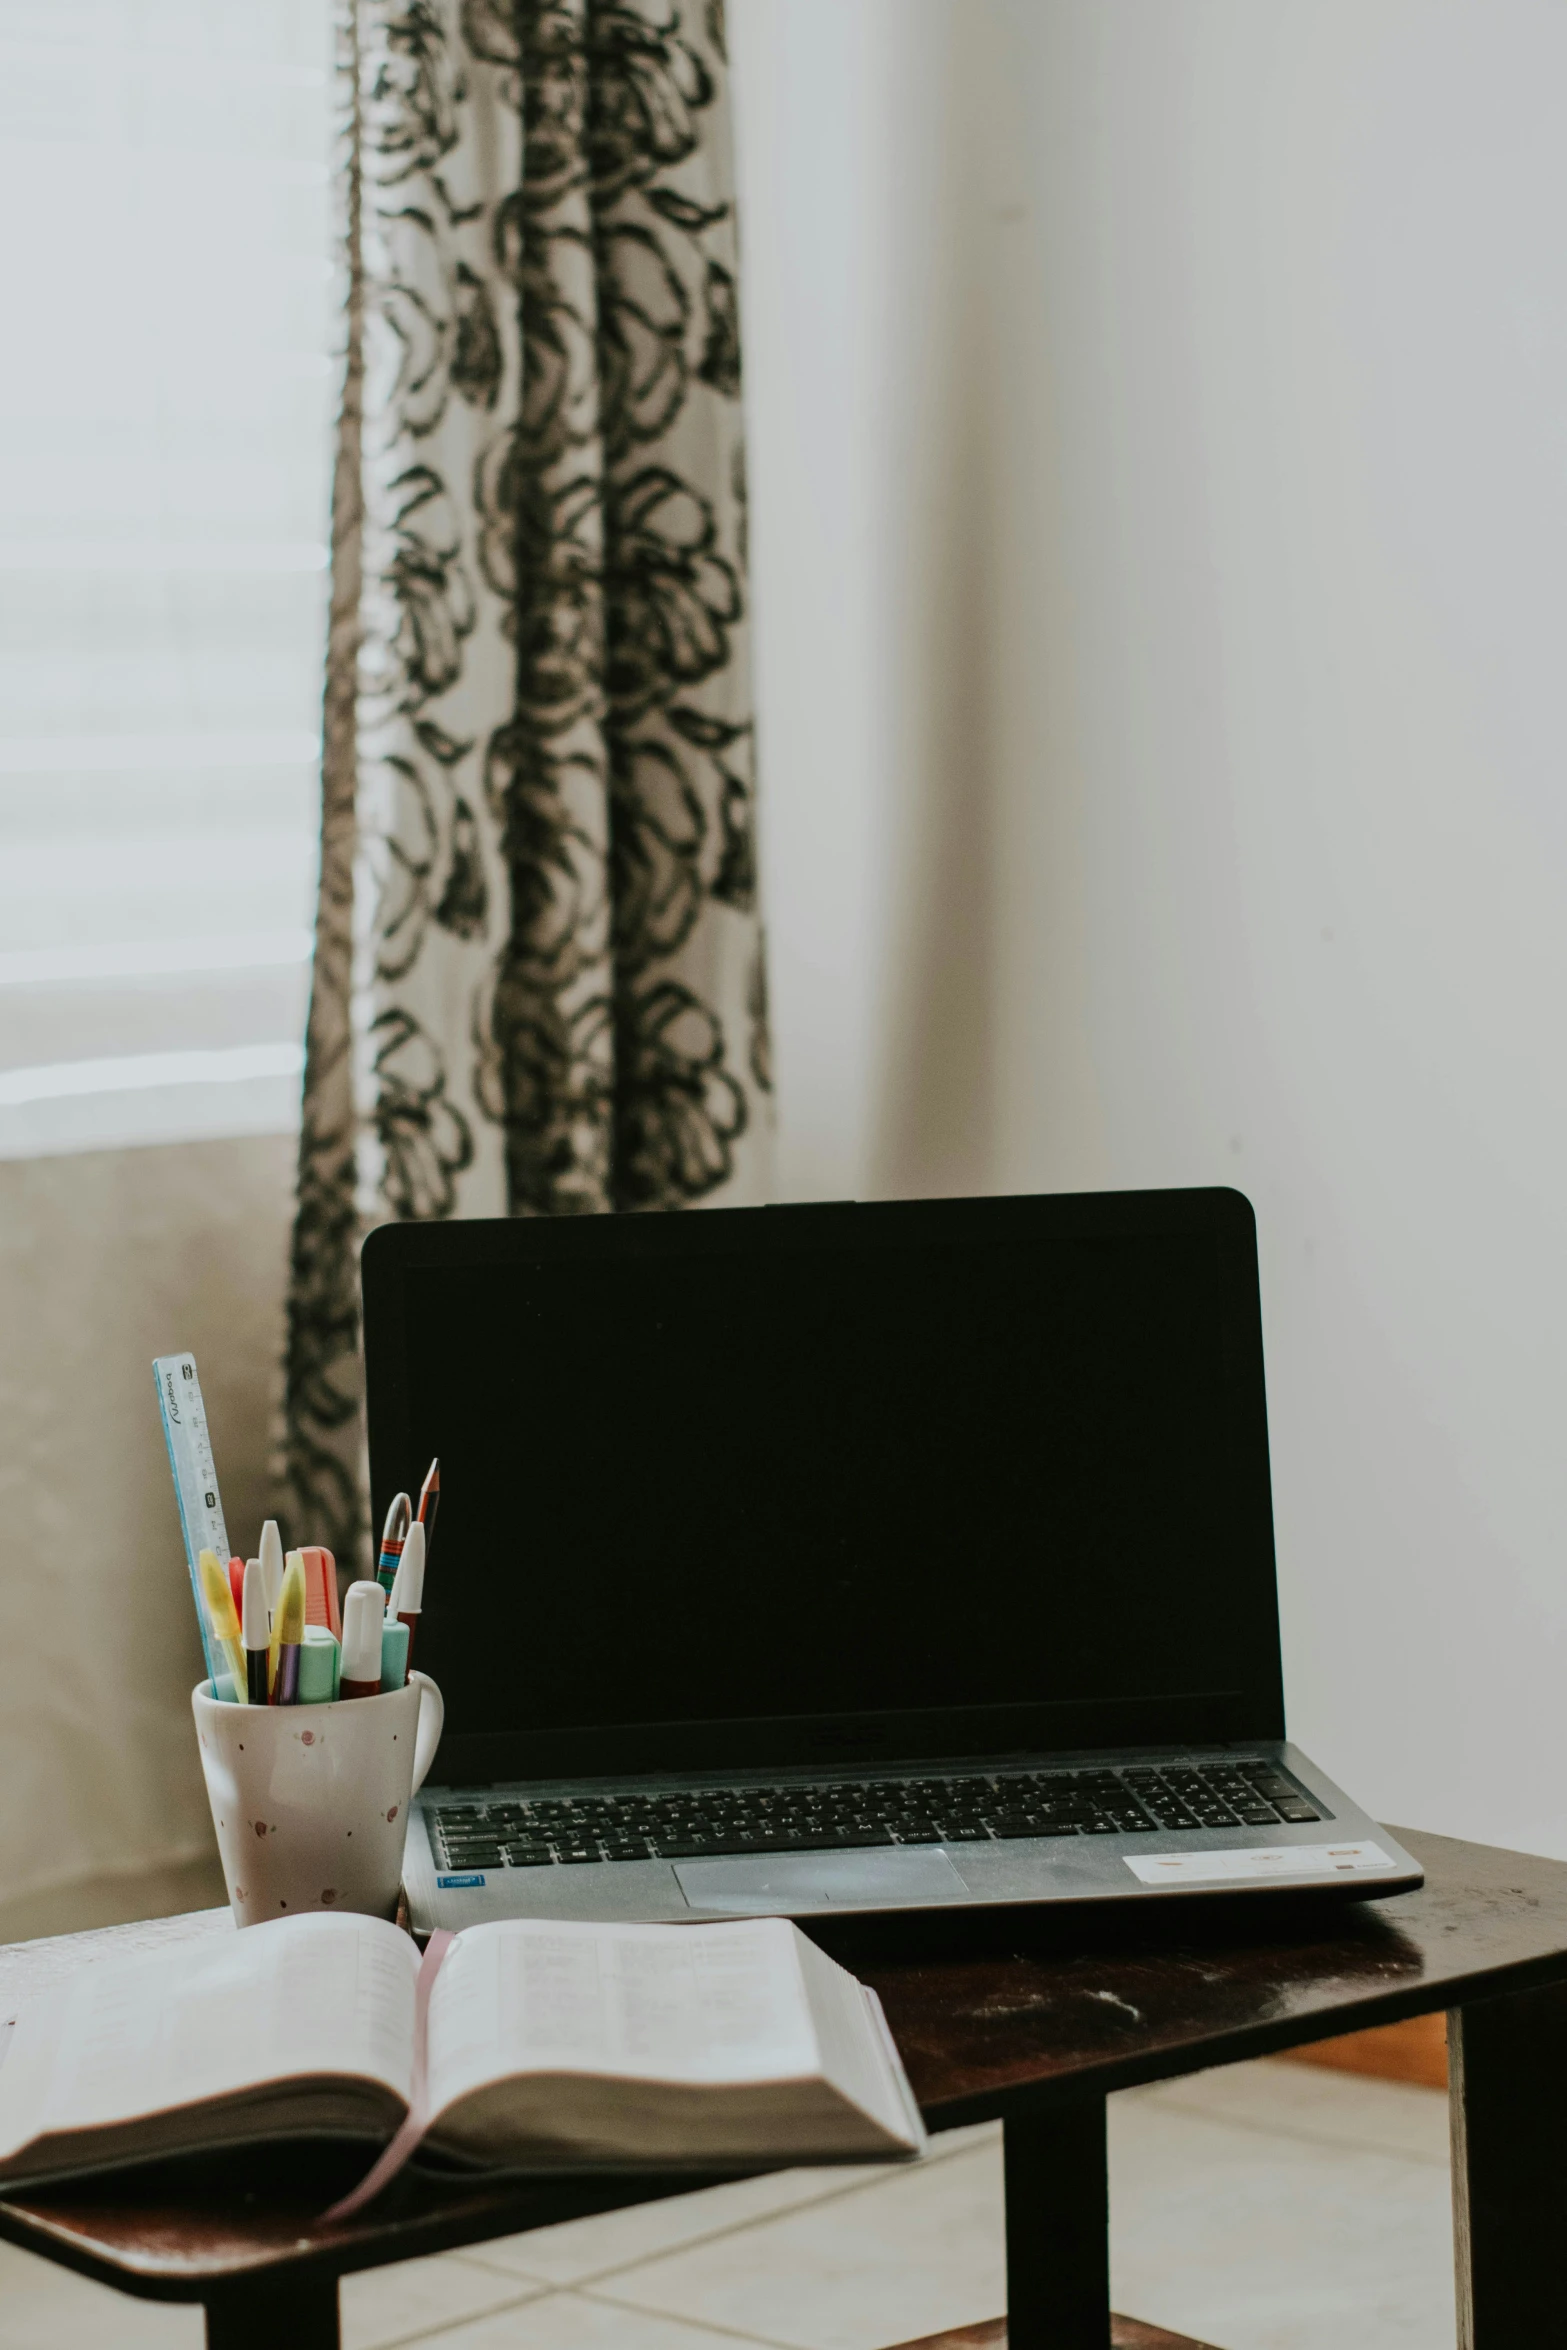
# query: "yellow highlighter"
{"type": "Point", "coordinates": [221, 1615]}
{"type": "Point", "coordinates": [288, 1632]}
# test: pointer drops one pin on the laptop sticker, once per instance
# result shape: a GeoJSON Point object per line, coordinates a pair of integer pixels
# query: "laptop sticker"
{"type": "Point", "coordinates": [451, 1884]}
{"type": "Point", "coordinates": [1270, 1860]}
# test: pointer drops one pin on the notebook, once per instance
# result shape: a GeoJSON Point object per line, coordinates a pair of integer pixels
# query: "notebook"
{"type": "Point", "coordinates": [549, 2046]}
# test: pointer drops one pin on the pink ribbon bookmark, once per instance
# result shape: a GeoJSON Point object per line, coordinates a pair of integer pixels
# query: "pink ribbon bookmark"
{"type": "Point", "coordinates": [417, 2120]}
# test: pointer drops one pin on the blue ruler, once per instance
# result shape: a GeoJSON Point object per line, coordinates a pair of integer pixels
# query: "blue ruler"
{"type": "Point", "coordinates": [195, 1478]}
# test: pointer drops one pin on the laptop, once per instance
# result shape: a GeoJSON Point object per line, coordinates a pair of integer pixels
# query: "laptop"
{"type": "Point", "coordinates": [837, 1558]}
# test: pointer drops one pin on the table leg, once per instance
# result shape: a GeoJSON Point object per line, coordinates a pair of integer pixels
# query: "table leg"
{"type": "Point", "coordinates": [298, 2313]}
{"type": "Point", "coordinates": [1058, 2229]}
{"type": "Point", "coordinates": [1507, 2069]}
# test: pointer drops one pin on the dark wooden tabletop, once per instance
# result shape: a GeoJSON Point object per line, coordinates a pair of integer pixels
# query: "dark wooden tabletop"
{"type": "Point", "coordinates": [1062, 2003]}
{"type": "Point", "coordinates": [994, 2014]}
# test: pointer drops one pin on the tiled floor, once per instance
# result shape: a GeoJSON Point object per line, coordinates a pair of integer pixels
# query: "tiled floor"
{"type": "Point", "coordinates": [1268, 2207]}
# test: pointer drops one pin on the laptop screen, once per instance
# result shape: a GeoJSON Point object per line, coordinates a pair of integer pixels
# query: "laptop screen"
{"type": "Point", "coordinates": [773, 1486]}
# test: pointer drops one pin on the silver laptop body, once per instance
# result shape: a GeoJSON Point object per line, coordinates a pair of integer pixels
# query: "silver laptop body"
{"type": "Point", "coordinates": [458, 1870]}
{"type": "Point", "coordinates": [831, 1559]}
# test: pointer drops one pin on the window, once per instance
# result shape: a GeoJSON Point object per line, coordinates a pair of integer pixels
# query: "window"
{"type": "Point", "coordinates": [165, 413]}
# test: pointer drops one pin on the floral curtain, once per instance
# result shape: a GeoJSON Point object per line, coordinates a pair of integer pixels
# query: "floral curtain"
{"type": "Point", "coordinates": [539, 985]}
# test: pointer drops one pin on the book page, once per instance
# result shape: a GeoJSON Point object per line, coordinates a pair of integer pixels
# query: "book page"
{"type": "Point", "coordinates": [858, 2055]}
{"type": "Point", "coordinates": [694, 2004]}
{"type": "Point", "coordinates": [307, 1995]}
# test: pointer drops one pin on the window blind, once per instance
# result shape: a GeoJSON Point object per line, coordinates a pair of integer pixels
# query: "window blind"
{"type": "Point", "coordinates": [165, 418]}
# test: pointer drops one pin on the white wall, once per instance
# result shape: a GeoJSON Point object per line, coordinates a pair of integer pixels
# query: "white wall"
{"type": "Point", "coordinates": [1159, 449]}
{"type": "Point", "coordinates": [107, 1259]}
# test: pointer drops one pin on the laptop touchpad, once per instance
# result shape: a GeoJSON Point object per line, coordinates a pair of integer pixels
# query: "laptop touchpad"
{"type": "Point", "coordinates": [785, 1883]}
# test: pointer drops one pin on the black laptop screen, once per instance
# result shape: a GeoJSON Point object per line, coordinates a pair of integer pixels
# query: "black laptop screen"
{"type": "Point", "coordinates": [778, 1485]}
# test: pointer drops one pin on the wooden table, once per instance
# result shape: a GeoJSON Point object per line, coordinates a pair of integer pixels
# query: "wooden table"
{"type": "Point", "coordinates": [1032, 2017]}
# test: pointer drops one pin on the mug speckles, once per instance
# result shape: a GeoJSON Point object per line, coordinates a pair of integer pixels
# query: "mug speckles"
{"type": "Point", "coordinates": [289, 1799]}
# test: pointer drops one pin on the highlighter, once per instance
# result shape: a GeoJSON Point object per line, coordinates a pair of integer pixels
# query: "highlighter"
{"type": "Point", "coordinates": [408, 1591]}
{"type": "Point", "coordinates": [288, 1632]}
{"type": "Point", "coordinates": [221, 1615]}
{"type": "Point", "coordinates": [392, 1534]}
{"type": "Point", "coordinates": [321, 1588]}
{"type": "Point", "coordinates": [254, 1633]}
{"type": "Point", "coordinates": [363, 1613]}
{"type": "Point", "coordinates": [394, 1654]}
{"type": "Point", "coordinates": [318, 1666]}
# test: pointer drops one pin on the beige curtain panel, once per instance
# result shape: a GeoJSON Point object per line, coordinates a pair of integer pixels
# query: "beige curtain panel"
{"type": "Point", "coordinates": [539, 983]}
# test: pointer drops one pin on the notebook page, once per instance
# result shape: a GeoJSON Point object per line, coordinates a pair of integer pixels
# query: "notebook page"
{"type": "Point", "coordinates": [318, 1994]}
{"type": "Point", "coordinates": [668, 2003]}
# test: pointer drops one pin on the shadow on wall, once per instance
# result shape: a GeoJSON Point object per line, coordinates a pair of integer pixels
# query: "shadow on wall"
{"type": "Point", "coordinates": [935, 1134]}
{"type": "Point", "coordinates": [106, 1260]}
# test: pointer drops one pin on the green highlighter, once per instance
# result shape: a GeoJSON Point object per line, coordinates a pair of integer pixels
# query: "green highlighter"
{"type": "Point", "coordinates": [319, 1664]}
{"type": "Point", "coordinates": [394, 1655]}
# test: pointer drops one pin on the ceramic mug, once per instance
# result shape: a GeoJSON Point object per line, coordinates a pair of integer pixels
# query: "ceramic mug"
{"type": "Point", "coordinates": [310, 1802]}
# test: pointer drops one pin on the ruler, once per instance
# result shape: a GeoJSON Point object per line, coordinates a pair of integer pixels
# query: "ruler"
{"type": "Point", "coordinates": [195, 1477]}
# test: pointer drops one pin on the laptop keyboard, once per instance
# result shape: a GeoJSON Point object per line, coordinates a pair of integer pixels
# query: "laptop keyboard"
{"type": "Point", "coordinates": [707, 1822]}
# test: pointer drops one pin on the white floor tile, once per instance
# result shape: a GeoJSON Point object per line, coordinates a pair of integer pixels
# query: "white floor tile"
{"type": "Point", "coordinates": [573, 2321]}
{"type": "Point", "coordinates": [907, 2255]}
{"type": "Point", "coordinates": [1312, 2101]}
{"type": "Point", "coordinates": [384, 2306]}
{"type": "Point", "coordinates": [43, 2307]}
{"type": "Point", "coordinates": [1264, 2239]}
{"type": "Point", "coordinates": [582, 2249]}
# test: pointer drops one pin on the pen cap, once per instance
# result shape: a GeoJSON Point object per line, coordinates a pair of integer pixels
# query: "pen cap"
{"type": "Point", "coordinates": [254, 1626]}
{"type": "Point", "coordinates": [363, 1613]}
{"type": "Point", "coordinates": [394, 1655]}
{"type": "Point", "coordinates": [318, 1663]}
{"type": "Point", "coordinates": [408, 1590]}
{"type": "Point", "coordinates": [271, 1553]}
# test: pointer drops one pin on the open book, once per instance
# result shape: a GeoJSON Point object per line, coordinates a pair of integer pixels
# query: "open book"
{"type": "Point", "coordinates": [548, 2046]}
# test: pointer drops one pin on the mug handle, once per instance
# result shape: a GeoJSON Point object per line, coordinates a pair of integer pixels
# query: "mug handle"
{"type": "Point", "coordinates": [432, 1715]}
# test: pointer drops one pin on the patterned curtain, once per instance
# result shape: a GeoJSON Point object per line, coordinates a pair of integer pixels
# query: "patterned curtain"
{"type": "Point", "coordinates": [539, 985]}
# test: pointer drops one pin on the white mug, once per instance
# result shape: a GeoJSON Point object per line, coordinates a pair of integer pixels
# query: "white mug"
{"type": "Point", "coordinates": [310, 1802]}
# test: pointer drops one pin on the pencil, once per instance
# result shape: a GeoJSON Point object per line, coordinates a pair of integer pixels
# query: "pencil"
{"type": "Point", "coordinates": [430, 1502]}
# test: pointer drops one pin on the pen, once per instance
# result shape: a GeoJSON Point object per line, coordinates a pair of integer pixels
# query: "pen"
{"type": "Point", "coordinates": [392, 1534]}
{"type": "Point", "coordinates": [271, 1565]}
{"type": "Point", "coordinates": [430, 1501]}
{"type": "Point", "coordinates": [363, 1613]}
{"type": "Point", "coordinates": [254, 1633]}
{"type": "Point", "coordinates": [407, 1599]}
{"type": "Point", "coordinates": [236, 1575]}
{"type": "Point", "coordinates": [288, 1631]}
{"type": "Point", "coordinates": [223, 1619]}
